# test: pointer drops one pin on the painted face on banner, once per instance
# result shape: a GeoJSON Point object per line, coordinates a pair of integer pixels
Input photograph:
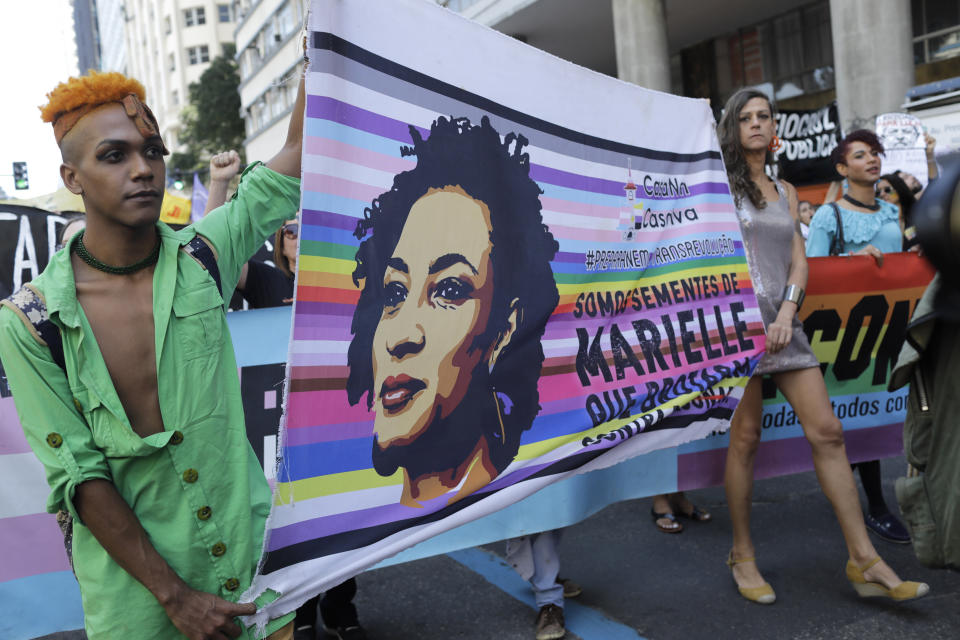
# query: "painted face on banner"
{"type": "Point", "coordinates": [438, 290]}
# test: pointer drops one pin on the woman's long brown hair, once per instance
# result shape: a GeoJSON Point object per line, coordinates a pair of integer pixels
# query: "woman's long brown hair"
{"type": "Point", "coordinates": [738, 172]}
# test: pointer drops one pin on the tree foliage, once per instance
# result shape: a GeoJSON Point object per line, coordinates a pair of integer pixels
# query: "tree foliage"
{"type": "Point", "coordinates": [211, 122]}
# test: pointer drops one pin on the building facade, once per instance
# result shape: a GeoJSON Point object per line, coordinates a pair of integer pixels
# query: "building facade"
{"type": "Point", "coordinates": [111, 23]}
{"type": "Point", "coordinates": [169, 44]}
{"type": "Point", "coordinates": [269, 56]}
{"type": "Point", "coordinates": [86, 33]}
{"type": "Point", "coordinates": [866, 54]}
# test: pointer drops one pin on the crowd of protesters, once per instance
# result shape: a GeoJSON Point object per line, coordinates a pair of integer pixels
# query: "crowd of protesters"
{"type": "Point", "coordinates": [873, 217]}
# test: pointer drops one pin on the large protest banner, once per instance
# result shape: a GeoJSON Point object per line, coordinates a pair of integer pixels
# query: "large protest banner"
{"type": "Point", "coordinates": [39, 595]}
{"type": "Point", "coordinates": [27, 240]}
{"type": "Point", "coordinates": [512, 270]}
{"type": "Point", "coordinates": [807, 137]}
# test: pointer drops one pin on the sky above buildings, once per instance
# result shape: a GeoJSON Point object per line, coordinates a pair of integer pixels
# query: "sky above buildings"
{"type": "Point", "coordinates": [37, 50]}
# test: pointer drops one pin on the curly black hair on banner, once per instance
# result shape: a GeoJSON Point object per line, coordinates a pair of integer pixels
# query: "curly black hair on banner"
{"type": "Point", "coordinates": [497, 173]}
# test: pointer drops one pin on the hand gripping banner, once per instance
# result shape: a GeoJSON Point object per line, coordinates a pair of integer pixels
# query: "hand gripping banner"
{"type": "Point", "coordinates": [512, 270]}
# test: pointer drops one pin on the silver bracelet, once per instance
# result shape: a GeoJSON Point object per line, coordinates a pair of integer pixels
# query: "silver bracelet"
{"type": "Point", "coordinates": [795, 294]}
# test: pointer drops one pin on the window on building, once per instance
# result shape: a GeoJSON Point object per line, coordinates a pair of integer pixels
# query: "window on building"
{"type": "Point", "coordinates": [167, 26]}
{"type": "Point", "coordinates": [270, 35]}
{"type": "Point", "coordinates": [175, 97]}
{"type": "Point", "coordinates": [789, 55]}
{"type": "Point", "coordinates": [223, 13]}
{"type": "Point", "coordinates": [194, 16]}
{"type": "Point", "coordinates": [285, 19]}
{"type": "Point", "coordinates": [290, 92]}
{"type": "Point", "coordinates": [936, 30]}
{"type": "Point", "coordinates": [172, 63]}
{"type": "Point", "coordinates": [197, 55]}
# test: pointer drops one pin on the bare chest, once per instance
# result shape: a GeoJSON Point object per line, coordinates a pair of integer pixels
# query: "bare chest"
{"type": "Point", "coordinates": [120, 312]}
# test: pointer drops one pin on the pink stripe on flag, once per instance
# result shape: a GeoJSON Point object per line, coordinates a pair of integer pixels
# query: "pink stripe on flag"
{"type": "Point", "coordinates": [568, 206]}
{"type": "Point", "coordinates": [302, 408]}
{"type": "Point", "coordinates": [357, 155]}
{"type": "Point", "coordinates": [12, 439]}
{"type": "Point", "coordinates": [31, 545]}
{"type": "Point", "coordinates": [340, 187]}
{"type": "Point", "coordinates": [317, 359]}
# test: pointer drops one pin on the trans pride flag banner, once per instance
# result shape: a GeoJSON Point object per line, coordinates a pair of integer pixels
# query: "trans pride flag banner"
{"type": "Point", "coordinates": [512, 270]}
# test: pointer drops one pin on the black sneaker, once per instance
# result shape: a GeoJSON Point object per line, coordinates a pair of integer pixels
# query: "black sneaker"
{"type": "Point", "coordinates": [352, 632]}
{"type": "Point", "coordinates": [550, 624]}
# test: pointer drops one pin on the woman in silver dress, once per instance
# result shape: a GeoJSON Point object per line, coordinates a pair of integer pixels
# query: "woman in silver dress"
{"type": "Point", "coordinates": [778, 268]}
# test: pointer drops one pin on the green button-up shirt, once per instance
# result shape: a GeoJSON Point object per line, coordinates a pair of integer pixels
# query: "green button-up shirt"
{"type": "Point", "coordinates": [196, 487]}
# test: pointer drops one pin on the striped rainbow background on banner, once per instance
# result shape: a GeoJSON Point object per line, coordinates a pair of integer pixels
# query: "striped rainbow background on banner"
{"type": "Point", "coordinates": [351, 155]}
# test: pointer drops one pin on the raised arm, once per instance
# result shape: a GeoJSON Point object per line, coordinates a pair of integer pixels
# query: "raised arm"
{"type": "Point", "coordinates": [930, 146]}
{"type": "Point", "coordinates": [223, 167]}
{"type": "Point", "coordinates": [287, 160]}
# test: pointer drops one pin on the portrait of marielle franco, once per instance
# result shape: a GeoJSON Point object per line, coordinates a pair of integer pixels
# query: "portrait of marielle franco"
{"type": "Point", "coordinates": [456, 289]}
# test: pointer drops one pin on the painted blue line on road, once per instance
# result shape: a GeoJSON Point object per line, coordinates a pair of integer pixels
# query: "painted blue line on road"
{"type": "Point", "coordinates": [39, 605]}
{"type": "Point", "coordinates": [584, 621]}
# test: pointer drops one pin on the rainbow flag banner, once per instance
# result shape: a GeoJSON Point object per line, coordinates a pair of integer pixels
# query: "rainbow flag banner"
{"type": "Point", "coordinates": [855, 315]}
{"type": "Point", "coordinates": [512, 270]}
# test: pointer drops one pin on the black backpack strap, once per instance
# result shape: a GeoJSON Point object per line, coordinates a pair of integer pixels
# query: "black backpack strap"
{"type": "Point", "coordinates": [27, 303]}
{"type": "Point", "coordinates": [200, 251]}
{"type": "Point", "coordinates": [839, 245]}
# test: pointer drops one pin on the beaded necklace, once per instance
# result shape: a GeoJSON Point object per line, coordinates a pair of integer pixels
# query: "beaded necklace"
{"type": "Point", "coordinates": [81, 250]}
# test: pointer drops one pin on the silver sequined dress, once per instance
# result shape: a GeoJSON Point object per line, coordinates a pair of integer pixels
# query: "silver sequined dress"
{"type": "Point", "coordinates": [767, 239]}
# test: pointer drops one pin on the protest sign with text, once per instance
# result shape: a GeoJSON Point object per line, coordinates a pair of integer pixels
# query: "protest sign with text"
{"type": "Point", "coordinates": [903, 144]}
{"type": "Point", "coordinates": [807, 139]}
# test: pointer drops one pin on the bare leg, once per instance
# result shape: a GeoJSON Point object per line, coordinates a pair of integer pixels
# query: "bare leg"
{"type": "Point", "coordinates": [807, 394]}
{"type": "Point", "coordinates": [738, 480]}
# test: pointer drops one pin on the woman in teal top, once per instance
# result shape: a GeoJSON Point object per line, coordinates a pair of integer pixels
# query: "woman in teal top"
{"type": "Point", "coordinates": [871, 226]}
{"type": "Point", "coordinates": [879, 229]}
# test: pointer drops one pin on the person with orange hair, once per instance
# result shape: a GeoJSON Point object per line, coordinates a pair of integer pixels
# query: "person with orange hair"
{"type": "Point", "coordinates": [125, 381]}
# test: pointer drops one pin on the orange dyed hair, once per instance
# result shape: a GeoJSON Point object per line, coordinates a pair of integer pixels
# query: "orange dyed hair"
{"type": "Point", "coordinates": [89, 91]}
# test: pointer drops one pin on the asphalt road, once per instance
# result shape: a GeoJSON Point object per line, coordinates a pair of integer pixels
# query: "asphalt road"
{"type": "Point", "coordinates": [640, 583]}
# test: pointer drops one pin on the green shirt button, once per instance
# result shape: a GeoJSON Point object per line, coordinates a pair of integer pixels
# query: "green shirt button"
{"type": "Point", "coordinates": [176, 438]}
{"type": "Point", "coordinates": [231, 584]}
{"type": "Point", "coordinates": [204, 513]}
{"type": "Point", "coordinates": [190, 475]}
{"type": "Point", "coordinates": [54, 440]}
{"type": "Point", "coordinates": [218, 549]}
{"type": "Point", "coordinates": [77, 404]}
